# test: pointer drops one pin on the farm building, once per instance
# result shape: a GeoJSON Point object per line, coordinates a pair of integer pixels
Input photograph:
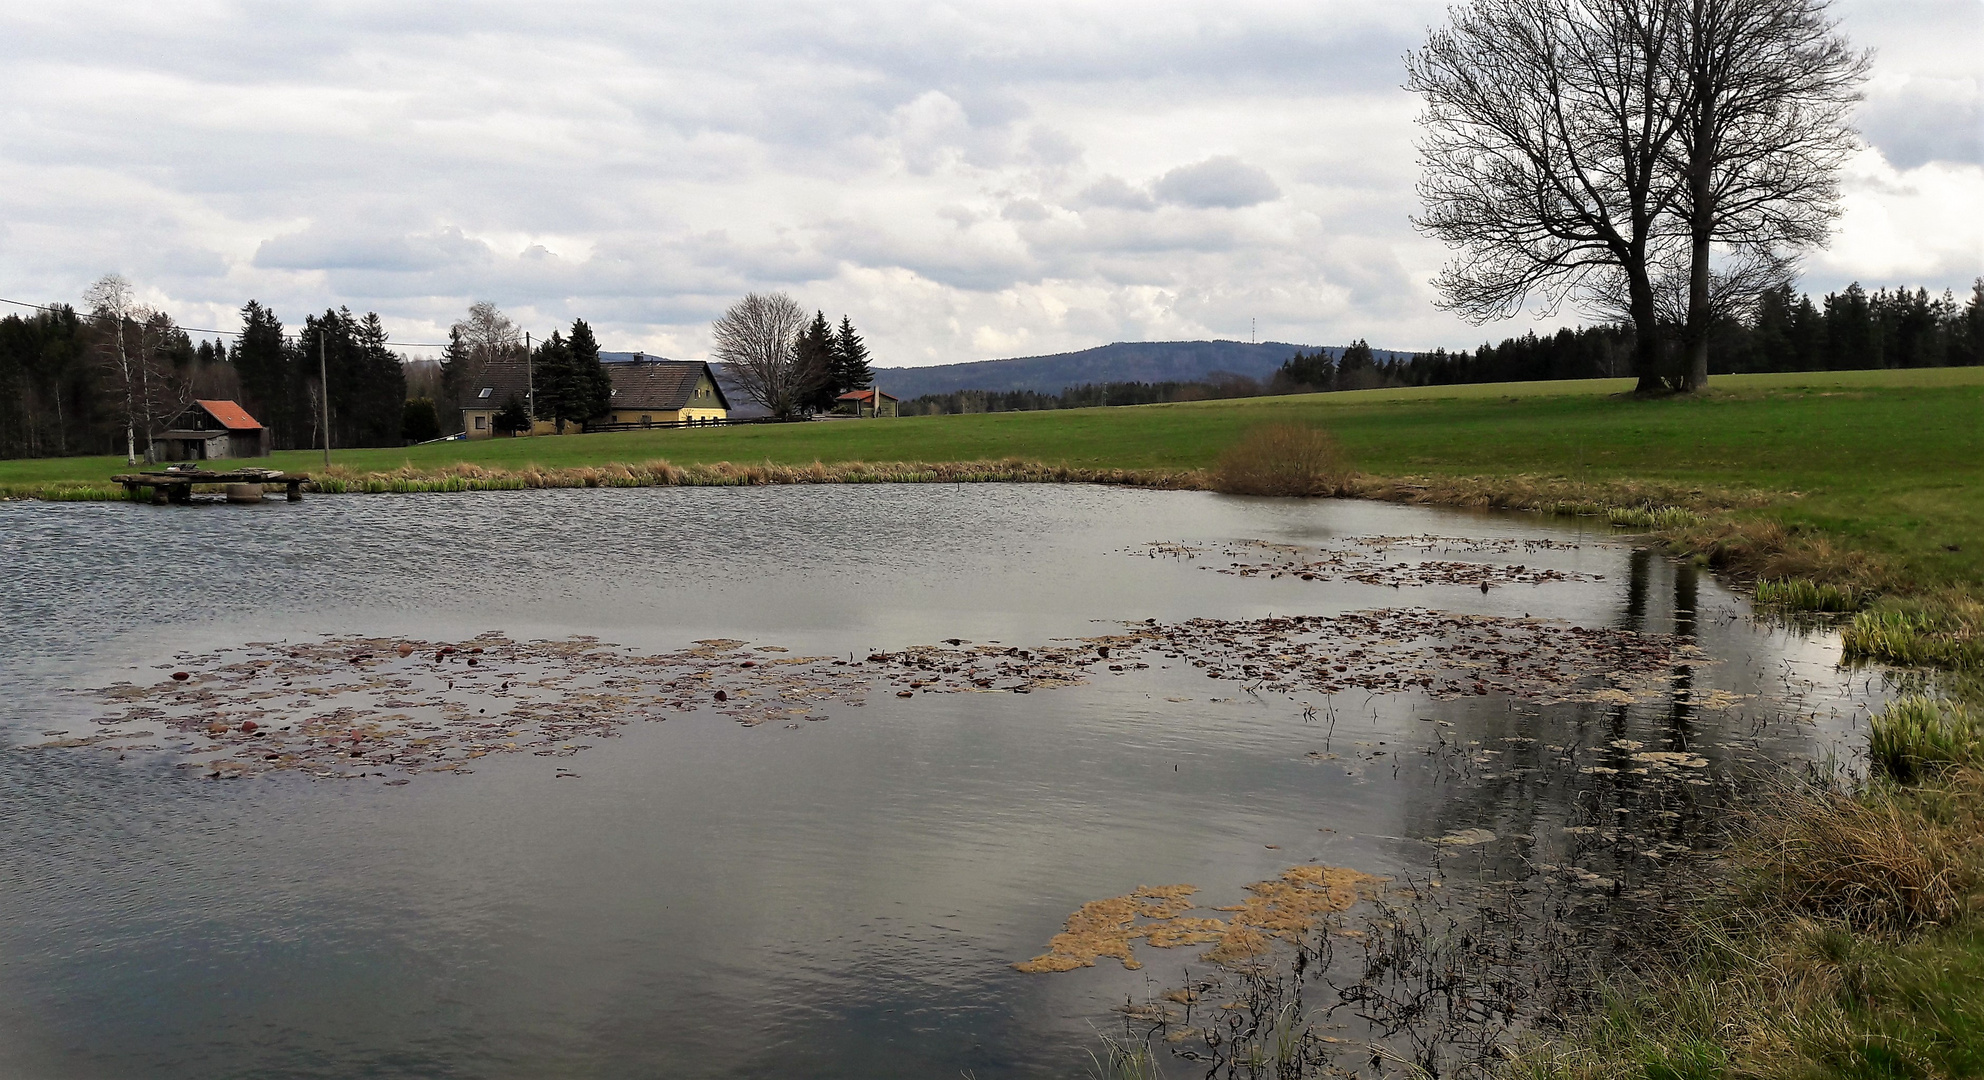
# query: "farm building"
{"type": "Point", "coordinates": [211, 429]}
{"type": "Point", "coordinates": [867, 403]}
{"type": "Point", "coordinates": [649, 390]}
{"type": "Point", "coordinates": [492, 388]}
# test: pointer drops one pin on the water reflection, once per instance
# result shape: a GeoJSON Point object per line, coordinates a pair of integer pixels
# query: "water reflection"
{"type": "Point", "coordinates": [839, 900]}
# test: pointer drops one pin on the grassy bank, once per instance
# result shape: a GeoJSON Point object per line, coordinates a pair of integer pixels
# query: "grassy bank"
{"type": "Point", "coordinates": [1845, 938]}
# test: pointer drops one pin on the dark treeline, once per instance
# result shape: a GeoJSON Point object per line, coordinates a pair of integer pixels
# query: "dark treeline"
{"type": "Point", "coordinates": [1849, 330]}
{"type": "Point", "coordinates": [105, 381]}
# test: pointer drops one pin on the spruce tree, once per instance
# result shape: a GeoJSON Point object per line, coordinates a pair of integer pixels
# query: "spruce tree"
{"type": "Point", "coordinates": [1967, 330]}
{"type": "Point", "coordinates": [270, 387]}
{"type": "Point", "coordinates": [380, 395]}
{"type": "Point", "coordinates": [813, 355]}
{"type": "Point", "coordinates": [555, 388]}
{"type": "Point", "coordinates": [457, 367]}
{"type": "Point", "coordinates": [592, 386]}
{"type": "Point", "coordinates": [851, 371]}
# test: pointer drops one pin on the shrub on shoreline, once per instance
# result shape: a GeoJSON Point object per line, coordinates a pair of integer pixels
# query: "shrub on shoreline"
{"type": "Point", "coordinates": [1284, 459]}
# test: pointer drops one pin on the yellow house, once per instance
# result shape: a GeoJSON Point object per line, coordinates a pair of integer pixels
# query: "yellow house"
{"type": "Point", "coordinates": [649, 391]}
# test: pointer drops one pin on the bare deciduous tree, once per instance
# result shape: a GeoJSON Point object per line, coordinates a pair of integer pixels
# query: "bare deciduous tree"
{"type": "Point", "coordinates": [484, 336]}
{"type": "Point", "coordinates": [757, 338]}
{"type": "Point", "coordinates": [1546, 125]}
{"type": "Point", "coordinates": [129, 355]}
{"type": "Point", "coordinates": [1767, 90]}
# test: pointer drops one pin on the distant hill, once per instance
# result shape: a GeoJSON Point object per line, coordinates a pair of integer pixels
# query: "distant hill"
{"type": "Point", "coordinates": [1123, 361]}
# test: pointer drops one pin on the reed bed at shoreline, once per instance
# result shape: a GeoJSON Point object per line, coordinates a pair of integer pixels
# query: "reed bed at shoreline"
{"type": "Point", "coordinates": [661, 473]}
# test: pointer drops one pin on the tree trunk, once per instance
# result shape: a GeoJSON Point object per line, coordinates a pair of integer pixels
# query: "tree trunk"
{"type": "Point", "coordinates": [1646, 333]}
{"type": "Point", "coordinates": [1701, 229]}
{"type": "Point", "coordinates": [1696, 375]}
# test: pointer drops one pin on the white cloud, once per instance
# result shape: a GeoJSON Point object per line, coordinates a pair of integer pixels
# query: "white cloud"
{"type": "Point", "coordinates": [963, 180]}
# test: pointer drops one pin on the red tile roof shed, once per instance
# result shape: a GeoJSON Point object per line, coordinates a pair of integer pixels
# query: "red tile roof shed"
{"type": "Point", "coordinates": [231, 416]}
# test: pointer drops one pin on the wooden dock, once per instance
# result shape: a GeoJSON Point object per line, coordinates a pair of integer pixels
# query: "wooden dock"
{"type": "Point", "coordinates": [176, 484]}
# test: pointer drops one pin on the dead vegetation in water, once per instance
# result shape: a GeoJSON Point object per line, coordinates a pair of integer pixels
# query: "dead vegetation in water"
{"type": "Point", "coordinates": [349, 707]}
{"type": "Point", "coordinates": [1286, 908]}
{"type": "Point", "coordinates": [1440, 654]}
{"type": "Point", "coordinates": [1261, 558]}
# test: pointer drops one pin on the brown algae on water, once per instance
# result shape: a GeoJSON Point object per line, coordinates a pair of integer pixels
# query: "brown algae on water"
{"type": "Point", "coordinates": [1284, 908]}
{"type": "Point", "coordinates": [1105, 927]}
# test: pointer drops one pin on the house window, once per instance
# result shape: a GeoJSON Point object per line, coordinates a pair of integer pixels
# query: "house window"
{"type": "Point", "coordinates": [481, 422]}
{"type": "Point", "coordinates": [485, 391]}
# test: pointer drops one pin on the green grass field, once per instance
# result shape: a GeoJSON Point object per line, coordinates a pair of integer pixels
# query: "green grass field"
{"type": "Point", "coordinates": [1891, 462]}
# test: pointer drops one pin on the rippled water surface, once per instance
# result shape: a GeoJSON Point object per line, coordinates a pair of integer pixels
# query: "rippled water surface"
{"type": "Point", "coordinates": [840, 898]}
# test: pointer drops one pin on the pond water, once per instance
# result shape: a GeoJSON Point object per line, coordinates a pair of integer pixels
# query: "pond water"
{"type": "Point", "coordinates": [688, 896]}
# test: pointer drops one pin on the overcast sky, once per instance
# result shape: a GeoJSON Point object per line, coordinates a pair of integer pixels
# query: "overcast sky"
{"type": "Point", "coordinates": [966, 180]}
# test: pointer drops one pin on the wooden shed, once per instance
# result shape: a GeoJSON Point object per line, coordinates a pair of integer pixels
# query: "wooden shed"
{"type": "Point", "coordinates": [209, 430]}
{"type": "Point", "coordinates": [867, 403]}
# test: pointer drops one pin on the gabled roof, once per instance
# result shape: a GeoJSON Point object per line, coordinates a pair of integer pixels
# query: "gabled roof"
{"type": "Point", "coordinates": [206, 418]}
{"type": "Point", "coordinates": [230, 415]}
{"type": "Point", "coordinates": [661, 385]}
{"type": "Point", "coordinates": [866, 395]}
{"type": "Point", "coordinates": [496, 383]}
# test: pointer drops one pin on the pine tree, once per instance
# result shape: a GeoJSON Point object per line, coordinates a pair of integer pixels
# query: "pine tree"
{"type": "Point", "coordinates": [1354, 369]}
{"type": "Point", "coordinates": [271, 387]}
{"type": "Point", "coordinates": [851, 371]}
{"type": "Point", "coordinates": [457, 367]}
{"type": "Point", "coordinates": [380, 396]}
{"type": "Point", "coordinates": [592, 385]}
{"type": "Point", "coordinates": [555, 388]}
{"type": "Point", "coordinates": [1967, 330]}
{"type": "Point", "coordinates": [813, 355]}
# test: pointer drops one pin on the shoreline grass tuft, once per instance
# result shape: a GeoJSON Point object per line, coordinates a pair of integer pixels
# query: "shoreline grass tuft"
{"type": "Point", "coordinates": [1804, 594]}
{"type": "Point", "coordinates": [1918, 737]}
{"type": "Point", "coordinates": [1283, 459]}
{"type": "Point", "coordinates": [1944, 629]}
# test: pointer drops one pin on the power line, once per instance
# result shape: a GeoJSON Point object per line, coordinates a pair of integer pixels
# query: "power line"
{"type": "Point", "coordinates": [222, 333]}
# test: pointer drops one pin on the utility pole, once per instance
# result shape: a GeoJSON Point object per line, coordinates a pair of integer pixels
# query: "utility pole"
{"type": "Point", "coordinates": [530, 388]}
{"type": "Point", "coordinates": [324, 391]}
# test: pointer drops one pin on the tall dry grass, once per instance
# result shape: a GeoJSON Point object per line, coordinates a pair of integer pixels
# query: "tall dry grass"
{"type": "Point", "coordinates": [1890, 859]}
{"type": "Point", "coordinates": [660, 473]}
{"type": "Point", "coordinates": [1284, 459]}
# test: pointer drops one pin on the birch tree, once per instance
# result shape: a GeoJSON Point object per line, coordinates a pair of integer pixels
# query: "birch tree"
{"type": "Point", "coordinates": [118, 316]}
